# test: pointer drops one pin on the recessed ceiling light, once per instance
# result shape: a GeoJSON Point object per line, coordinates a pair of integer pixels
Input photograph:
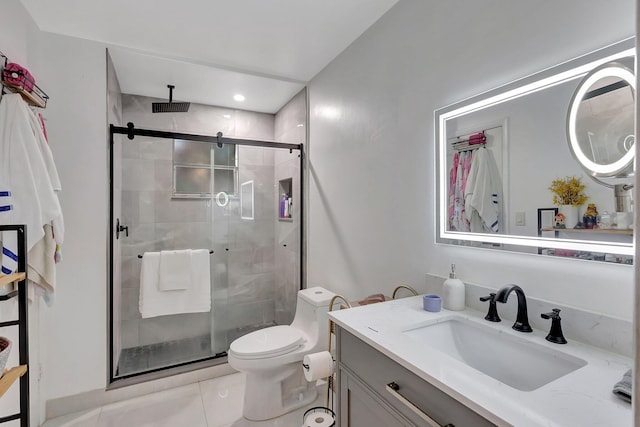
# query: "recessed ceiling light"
{"type": "Point", "coordinates": [300, 125]}
{"type": "Point", "coordinates": [226, 116]}
{"type": "Point", "coordinates": [238, 97]}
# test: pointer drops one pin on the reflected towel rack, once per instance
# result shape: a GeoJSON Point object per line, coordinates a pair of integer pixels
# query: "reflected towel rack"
{"type": "Point", "coordinates": [141, 255]}
{"type": "Point", "coordinates": [479, 140]}
{"type": "Point", "coordinates": [465, 146]}
{"type": "Point", "coordinates": [36, 97]}
{"type": "Point", "coordinates": [461, 143]}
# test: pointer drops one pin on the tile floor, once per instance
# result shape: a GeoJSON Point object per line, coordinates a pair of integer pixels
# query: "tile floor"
{"type": "Point", "coordinates": [146, 357]}
{"type": "Point", "coordinates": [152, 356]}
{"type": "Point", "coordinates": [211, 403]}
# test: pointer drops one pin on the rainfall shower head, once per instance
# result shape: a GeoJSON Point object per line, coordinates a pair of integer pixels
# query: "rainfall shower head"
{"type": "Point", "coordinates": [170, 107]}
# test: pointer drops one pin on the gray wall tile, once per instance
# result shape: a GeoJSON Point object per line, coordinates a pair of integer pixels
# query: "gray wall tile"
{"type": "Point", "coordinates": [175, 327]}
{"type": "Point", "coordinates": [254, 125]}
{"type": "Point", "coordinates": [159, 222]}
{"type": "Point", "coordinates": [129, 333]}
{"type": "Point", "coordinates": [287, 258]}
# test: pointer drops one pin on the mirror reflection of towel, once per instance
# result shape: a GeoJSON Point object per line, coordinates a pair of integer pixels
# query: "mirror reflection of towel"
{"type": "Point", "coordinates": [623, 388]}
{"type": "Point", "coordinates": [483, 194]}
{"type": "Point", "coordinates": [477, 138]}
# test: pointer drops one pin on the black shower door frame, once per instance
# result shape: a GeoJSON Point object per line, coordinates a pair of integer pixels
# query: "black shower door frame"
{"type": "Point", "coordinates": [219, 139]}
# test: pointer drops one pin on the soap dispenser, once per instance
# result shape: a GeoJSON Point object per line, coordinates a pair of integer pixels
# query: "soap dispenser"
{"type": "Point", "coordinates": [453, 292]}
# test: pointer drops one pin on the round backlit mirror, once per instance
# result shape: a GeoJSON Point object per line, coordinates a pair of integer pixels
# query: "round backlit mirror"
{"type": "Point", "coordinates": [600, 123]}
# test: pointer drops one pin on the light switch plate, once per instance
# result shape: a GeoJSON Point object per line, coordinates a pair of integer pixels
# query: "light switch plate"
{"type": "Point", "coordinates": [521, 218]}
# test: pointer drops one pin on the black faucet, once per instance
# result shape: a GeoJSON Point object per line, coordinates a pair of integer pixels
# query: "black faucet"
{"type": "Point", "coordinates": [522, 318]}
{"type": "Point", "coordinates": [555, 334]}
{"type": "Point", "coordinates": [492, 314]}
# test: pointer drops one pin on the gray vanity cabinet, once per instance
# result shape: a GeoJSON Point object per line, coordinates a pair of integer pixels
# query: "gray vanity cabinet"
{"type": "Point", "coordinates": [376, 391]}
{"type": "Point", "coordinates": [363, 408]}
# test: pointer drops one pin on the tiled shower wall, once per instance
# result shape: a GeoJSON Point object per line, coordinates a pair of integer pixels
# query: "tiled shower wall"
{"type": "Point", "coordinates": [243, 277]}
{"type": "Point", "coordinates": [290, 127]}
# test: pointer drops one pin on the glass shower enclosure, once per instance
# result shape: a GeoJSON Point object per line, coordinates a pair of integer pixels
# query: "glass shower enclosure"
{"type": "Point", "coordinates": [238, 199]}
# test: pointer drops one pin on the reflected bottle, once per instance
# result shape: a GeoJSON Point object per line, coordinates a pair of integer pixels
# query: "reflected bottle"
{"type": "Point", "coordinates": [285, 206]}
{"type": "Point", "coordinates": [283, 203]}
{"type": "Point", "coordinates": [605, 221]}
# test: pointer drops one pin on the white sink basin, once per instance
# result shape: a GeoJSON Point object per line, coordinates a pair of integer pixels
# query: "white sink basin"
{"type": "Point", "coordinates": [512, 360]}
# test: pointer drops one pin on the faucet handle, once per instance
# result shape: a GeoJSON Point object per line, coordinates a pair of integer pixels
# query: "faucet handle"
{"type": "Point", "coordinates": [555, 314]}
{"type": "Point", "coordinates": [555, 333]}
{"type": "Point", "coordinates": [492, 315]}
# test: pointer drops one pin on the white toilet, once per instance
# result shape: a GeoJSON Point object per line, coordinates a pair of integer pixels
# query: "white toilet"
{"type": "Point", "coordinates": [272, 358]}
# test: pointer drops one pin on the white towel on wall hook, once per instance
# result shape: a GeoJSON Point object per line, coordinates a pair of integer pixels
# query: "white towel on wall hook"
{"type": "Point", "coordinates": [24, 172]}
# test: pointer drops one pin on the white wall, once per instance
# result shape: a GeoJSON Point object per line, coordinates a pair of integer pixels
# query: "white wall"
{"type": "Point", "coordinates": [73, 72]}
{"type": "Point", "coordinates": [17, 30]}
{"type": "Point", "coordinates": [19, 41]}
{"type": "Point", "coordinates": [372, 155]}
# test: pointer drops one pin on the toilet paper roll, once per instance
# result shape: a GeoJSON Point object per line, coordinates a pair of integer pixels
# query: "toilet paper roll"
{"type": "Point", "coordinates": [317, 365]}
{"type": "Point", "coordinates": [317, 419]}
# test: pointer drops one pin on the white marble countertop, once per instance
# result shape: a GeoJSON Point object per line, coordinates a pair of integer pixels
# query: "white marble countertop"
{"type": "Point", "coordinates": [581, 398]}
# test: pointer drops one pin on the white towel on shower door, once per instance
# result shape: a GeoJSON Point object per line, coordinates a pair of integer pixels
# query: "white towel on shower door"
{"type": "Point", "coordinates": [175, 270]}
{"type": "Point", "coordinates": [154, 302]}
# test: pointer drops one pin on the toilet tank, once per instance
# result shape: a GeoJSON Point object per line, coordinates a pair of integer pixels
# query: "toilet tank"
{"type": "Point", "coordinates": [311, 314]}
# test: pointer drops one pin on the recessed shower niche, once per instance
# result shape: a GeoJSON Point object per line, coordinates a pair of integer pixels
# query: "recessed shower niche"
{"type": "Point", "coordinates": [285, 199]}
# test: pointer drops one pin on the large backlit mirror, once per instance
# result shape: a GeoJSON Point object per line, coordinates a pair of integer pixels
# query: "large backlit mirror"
{"type": "Point", "coordinates": [499, 154]}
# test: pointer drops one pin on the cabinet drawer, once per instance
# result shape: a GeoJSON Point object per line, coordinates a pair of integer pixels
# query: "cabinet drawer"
{"type": "Point", "coordinates": [377, 370]}
{"type": "Point", "coordinates": [361, 407]}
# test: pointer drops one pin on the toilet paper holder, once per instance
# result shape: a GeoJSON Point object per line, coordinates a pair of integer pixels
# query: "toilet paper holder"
{"type": "Point", "coordinates": [320, 416]}
{"type": "Point", "coordinates": [318, 366]}
{"type": "Point", "coordinates": [307, 367]}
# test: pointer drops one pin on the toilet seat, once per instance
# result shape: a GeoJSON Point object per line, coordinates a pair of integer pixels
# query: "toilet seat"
{"type": "Point", "coordinates": [269, 342]}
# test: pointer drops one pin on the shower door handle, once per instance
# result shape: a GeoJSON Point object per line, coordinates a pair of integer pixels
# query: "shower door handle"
{"type": "Point", "coordinates": [121, 228]}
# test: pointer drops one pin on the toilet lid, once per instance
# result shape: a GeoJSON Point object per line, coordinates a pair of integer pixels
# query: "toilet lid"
{"type": "Point", "coordinates": [268, 342]}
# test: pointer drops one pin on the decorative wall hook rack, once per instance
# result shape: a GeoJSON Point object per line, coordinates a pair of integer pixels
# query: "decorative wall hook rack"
{"type": "Point", "coordinates": [472, 142]}
{"type": "Point", "coordinates": [17, 81]}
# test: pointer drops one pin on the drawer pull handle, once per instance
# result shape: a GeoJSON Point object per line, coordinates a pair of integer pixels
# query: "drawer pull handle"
{"type": "Point", "coordinates": [393, 388]}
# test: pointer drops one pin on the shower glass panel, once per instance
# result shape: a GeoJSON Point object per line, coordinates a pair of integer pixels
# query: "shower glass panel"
{"type": "Point", "coordinates": [179, 194]}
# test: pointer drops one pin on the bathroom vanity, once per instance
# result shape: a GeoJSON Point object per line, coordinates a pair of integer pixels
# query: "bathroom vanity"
{"type": "Point", "coordinates": [399, 365]}
{"type": "Point", "coordinates": [376, 390]}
